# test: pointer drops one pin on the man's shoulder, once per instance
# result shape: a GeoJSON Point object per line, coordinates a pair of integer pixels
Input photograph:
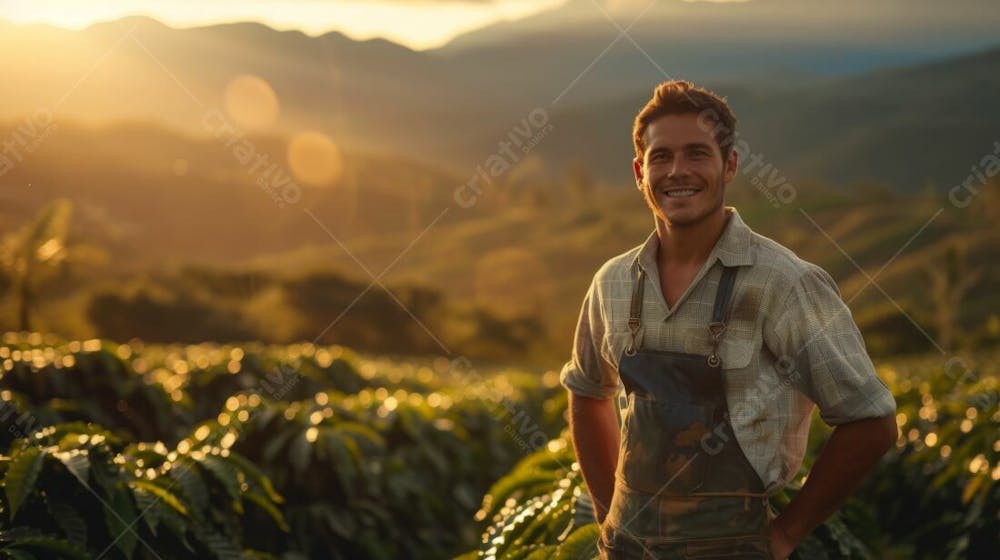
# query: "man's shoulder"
{"type": "Point", "coordinates": [617, 269]}
{"type": "Point", "coordinates": [783, 265]}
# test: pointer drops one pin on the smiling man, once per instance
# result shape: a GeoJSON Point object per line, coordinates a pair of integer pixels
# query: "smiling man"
{"type": "Point", "coordinates": [723, 341]}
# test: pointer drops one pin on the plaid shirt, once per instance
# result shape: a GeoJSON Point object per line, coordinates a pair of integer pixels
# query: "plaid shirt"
{"type": "Point", "coordinates": [790, 344]}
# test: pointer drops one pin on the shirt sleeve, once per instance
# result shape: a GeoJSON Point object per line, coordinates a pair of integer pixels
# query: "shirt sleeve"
{"type": "Point", "coordinates": [814, 336]}
{"type": "Point", "coordinates": [588, 373]}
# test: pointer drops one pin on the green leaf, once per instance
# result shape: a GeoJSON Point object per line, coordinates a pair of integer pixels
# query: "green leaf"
{"type": "Point", "coordinates": [340, 523]}
{"type": "Point", "coordinates": [367, 436]}
{"type": "Point", "coordinates": [17, 554]}
{"type": "Point", "coordinates": [516, 485]}
{"type": "Point", "coordinates": [971, 487]}
{"type": "Point", "coordinates": [186, 474]}
{"type": "Point", "coordinates": [253, 473]}
{"type": "Point", "coordinates": [52, 547]}
{"type": "Point", "coordinates": [220, 546]}
{"type": "Point", "coordinates": [21, 476]}
{"type": "Point", "coordinates": [514, 525]}
{"type": "Point", "coordinates": [173, 521]}
{"type": "Point", "coordinates": [543, 553]}
{"type": "Point", "coordinates": [341, 458]}
{"type": "Point", "coordinates": [160, 493]}
{"type": "Point", "coordinates": [119, 515]}
{"type": "Point", "coordinates": [538, 528]}
{"type": "Point", "coordinates": [268, 506]}
{"type": "Point", "coordinates": [69, 520]}
{"type": "Point", "coordinates": [77, 463]}
{"type": "Point", "coordinates": [581, 543]}
{"type": "Point", "coordinates": [227, 475]}
{"type": "Point", "coordinates": [299, 454]}
{"type": "Point", "coordinates": [272, 449]}
{"type": "Point", "coordinates": [15, 534]}
{"type": "Point", "coordinates": [150, 508]}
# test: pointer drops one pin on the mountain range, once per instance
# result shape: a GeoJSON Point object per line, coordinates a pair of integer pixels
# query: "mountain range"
{"type": "Point", "coordinates": [872, 127]}
{"type": "Point", "coordinates": [841, 92]}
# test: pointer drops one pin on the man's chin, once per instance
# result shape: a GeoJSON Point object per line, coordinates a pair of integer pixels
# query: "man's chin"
{"type": "Point", "coordinates": [676, 217]}
{"type": "Point", "coordinates": [687, 215]}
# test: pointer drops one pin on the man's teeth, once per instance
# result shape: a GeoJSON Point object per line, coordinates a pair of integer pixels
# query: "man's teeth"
{"type": "Point", "coordinates": [681, 192]}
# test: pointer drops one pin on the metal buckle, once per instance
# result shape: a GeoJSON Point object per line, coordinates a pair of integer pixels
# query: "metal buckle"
{"type": "Point", "coordinates": [715, 329]}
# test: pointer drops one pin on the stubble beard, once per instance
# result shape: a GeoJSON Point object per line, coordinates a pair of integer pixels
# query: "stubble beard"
{"type": "Point", "coordinates": [661, 215]}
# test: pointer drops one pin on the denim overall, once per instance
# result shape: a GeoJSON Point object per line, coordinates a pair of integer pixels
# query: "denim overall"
{"type": "Point", "coordinates": [683, 488]}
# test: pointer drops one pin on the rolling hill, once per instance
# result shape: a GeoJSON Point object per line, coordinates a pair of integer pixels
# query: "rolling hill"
{"type": "Point", "coordinates": [527, 248]}
{"type": "Point", "coordinates": [906, 127]}
{"type": "Point", "coordinates": [870, 148]}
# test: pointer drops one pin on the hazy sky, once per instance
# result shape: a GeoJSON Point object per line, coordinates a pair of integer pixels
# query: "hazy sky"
{"type": "Point", "coordinates": [418, 24]}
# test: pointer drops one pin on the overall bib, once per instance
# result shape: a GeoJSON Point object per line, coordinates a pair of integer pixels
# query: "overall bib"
{"type": "Point", "coordinates": [683, 487]}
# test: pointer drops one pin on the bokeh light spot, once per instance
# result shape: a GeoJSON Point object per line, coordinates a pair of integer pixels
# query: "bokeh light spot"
{"type": "Point", "coordinates": [251, 102]}
{"type": "Point", "coordinates": [315, 159]}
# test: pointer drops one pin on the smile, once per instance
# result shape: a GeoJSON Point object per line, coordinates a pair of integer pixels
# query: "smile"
{"type": "Point", "coordinates": [682, 193]}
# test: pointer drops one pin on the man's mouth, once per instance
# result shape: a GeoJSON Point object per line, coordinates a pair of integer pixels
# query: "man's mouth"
{"type": "Point", "coordinates": [681, 192]}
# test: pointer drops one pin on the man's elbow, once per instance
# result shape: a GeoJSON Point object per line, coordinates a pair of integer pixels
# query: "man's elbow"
{"type": "Point", "coordinates": [876, 435]}
{"type": "Point", "coordinates": [585, 409]}
{"type": "Point", "coordinates": [888, 432]}
{"type": "Point", "coordinates": [583, 404]}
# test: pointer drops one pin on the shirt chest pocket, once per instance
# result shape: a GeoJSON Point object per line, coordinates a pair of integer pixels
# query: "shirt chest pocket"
{"type": "Point", "coordinates": [736, 347]}
{"type": "Point", "coordinates": [617, 339]}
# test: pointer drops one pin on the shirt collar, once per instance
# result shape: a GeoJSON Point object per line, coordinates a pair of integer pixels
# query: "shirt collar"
{"type": "Point", "coordinates": [732, 249]}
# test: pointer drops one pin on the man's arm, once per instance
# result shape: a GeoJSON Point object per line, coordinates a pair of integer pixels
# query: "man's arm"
{"type": "Point", "coordinates": [594, 428]}
{"type": "Point", "coordinates": [852, 450]}
{"type": "Point", "coordinates": [815, 332]}
{"type": "Point", "coordinates": [592, 383]}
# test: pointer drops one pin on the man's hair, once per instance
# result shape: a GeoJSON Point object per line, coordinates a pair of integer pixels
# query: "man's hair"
{"type": "Point", "coordinates": [677, 97]}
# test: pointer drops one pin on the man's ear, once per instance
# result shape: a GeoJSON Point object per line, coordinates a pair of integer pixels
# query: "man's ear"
{"type": "Point", "coordinates": [637, 171]}
{"type": "Point", "coordinates": [732, 164]}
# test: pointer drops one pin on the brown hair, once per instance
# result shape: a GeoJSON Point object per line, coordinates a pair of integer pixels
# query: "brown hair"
{"type": "Point", "coordinates": [680, 97]}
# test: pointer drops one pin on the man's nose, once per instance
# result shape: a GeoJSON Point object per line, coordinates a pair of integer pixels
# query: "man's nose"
{"type": "Point", "coordinates": [678, 168]}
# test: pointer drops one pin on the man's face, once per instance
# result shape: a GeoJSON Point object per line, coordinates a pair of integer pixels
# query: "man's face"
{"type": "Point", "coordinates": [682, 173]}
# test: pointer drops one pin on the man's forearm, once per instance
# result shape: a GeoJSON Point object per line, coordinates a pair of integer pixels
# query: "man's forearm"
{"type": "Point", "coordinates": [594, 428]}
{"type": "Point", "coordinates": [849, 454]}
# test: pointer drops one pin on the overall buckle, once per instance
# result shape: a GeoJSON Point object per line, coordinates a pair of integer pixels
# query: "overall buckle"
{"type": "Point", "coordinates": [715, 330]}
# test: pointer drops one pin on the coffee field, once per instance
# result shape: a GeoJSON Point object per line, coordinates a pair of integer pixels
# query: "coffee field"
{"type": "Point", "coordinates": [139, 451]}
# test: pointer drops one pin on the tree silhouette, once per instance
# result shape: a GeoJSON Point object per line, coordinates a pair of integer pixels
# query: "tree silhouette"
{"type": "Point", "coordinates": [950, 281]}
{"type": "Point", "coordinates": [31, 255]}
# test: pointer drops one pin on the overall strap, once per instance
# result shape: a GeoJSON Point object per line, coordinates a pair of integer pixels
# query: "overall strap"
{"type": "Point", "coordinates": [635, 312]}
{"type": "Point", "coordinates": [724, 291]}
{"type": "Point", "coordinates": [720, 310]}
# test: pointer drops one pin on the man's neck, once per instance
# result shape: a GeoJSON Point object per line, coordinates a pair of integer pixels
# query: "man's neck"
{"type": "Point", "coordinates": [689, 245]}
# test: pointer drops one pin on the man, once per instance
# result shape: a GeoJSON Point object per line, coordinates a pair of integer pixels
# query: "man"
{"type": "Point", "coordinates": [724, 341]}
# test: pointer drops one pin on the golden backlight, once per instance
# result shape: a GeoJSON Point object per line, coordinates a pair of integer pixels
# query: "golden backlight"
{"type": "Point", "coordinates": [251, 102]}
{"type": "Point", "coordinates": [315, 159]}
{"type": "Point", "coordinates": [418, 25]}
